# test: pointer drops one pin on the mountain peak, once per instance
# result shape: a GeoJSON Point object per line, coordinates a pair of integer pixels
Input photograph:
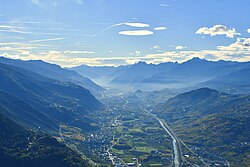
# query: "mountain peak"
{"type": "Point", "coordinates": [197, 60]}
{"type": "Point", "coordinates": [200, 93]}
{"type": "Point", "coordinates": [141, 63]}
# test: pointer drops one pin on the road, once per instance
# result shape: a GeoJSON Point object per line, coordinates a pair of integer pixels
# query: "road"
{"type": "Point", "coordinates": [111, 156]}
{"type": "Point", "coordinates": [178, 158]}
{"type": "Point", "coordinates": [176, 145]}
{"type": "Point", "coordinates": [175, 141]}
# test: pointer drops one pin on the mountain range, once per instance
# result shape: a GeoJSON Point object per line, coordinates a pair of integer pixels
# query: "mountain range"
{"type": "Point", "coordinates": [37, 98]}
{"type": "Point", "coordinates": [193, 73]}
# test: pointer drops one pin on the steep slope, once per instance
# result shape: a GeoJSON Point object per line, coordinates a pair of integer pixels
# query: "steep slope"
{"type": "Point", "coordinates": [26, 148]}
{"type": "Point", "coordinates": [212, 122]}
{"type": "Point", "coordinates": [53, 71]}
{"type": "Point", "coordinates": [22, 112]}
{"type": "Point", "coordinates": [56, 101]}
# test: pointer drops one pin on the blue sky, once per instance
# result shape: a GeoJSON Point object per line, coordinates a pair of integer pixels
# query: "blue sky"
{"type": "Point", "coordinates": [115, 32]}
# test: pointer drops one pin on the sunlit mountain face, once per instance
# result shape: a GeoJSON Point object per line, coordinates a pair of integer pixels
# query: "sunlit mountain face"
{"type": "Point", "coordinates": [124, 83]}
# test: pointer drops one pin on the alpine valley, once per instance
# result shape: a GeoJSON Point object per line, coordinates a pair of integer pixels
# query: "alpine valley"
{"type": "Point", "coordinates": [194, 113]}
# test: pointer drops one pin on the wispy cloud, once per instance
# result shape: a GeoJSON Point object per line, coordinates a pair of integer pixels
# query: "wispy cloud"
{"type": "Point", "coordinates": [10, 27]}
{"type": "Point", "coordinates": [136, 33]}
{"type": "Point", "coordinates": [237, 51]}
{"type": "Point", "coordinates": [15, 31]}
{"type": "Point", "coordinates": [23, 30]}
{"type": "Point", "coordinates": [45, 40]}
{"type": "Point", "coordinates": [218, 30]}
{"type": "Point", "coordinates": [14, 44]}
{"type": "Point", "coordinates": [131, 24]}
{"type": "Point", "coordinates": [132, 32]}
{"type": "Point", "coordinates": [160, 28]}
{"type": "Point", "coordinates": [137, 24]}
{"type": "Point", "coordinates": [54, 3]}
{"type": "Point", "coordinates": [78, 52]}
{"type": "Point", "coordinates": [164, 5]}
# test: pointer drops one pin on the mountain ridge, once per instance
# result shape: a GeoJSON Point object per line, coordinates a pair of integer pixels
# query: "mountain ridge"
{"type": "Point", "coordinates": [53, 71]}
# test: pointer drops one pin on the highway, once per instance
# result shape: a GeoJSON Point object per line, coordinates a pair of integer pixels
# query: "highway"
{"type": "Point", "coordinates": [176, 145]}
{"type": "Point", "coordinates": [177, 157]}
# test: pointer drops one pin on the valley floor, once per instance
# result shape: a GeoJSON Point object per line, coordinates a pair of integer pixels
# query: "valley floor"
{"type": "Point", "coordinates": [130, 135]}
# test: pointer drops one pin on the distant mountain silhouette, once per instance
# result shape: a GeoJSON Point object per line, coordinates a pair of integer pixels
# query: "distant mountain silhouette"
{"type": "Point", "coordinates": [140, 71]}
{"type": "Point", "coordinates": [98, 71]}
{"type": "Point", "coordinates": [53, 71]}
{"type": "Point", "coordinates": [186, 74]}
{"type": "Point", "coordinates": [195, 70]}
{"type": "Point", "coordinates": [238, 82]}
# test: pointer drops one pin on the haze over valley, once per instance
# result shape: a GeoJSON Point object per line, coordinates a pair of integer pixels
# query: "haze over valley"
{"type": "Point", "coordinates": [124, 83]}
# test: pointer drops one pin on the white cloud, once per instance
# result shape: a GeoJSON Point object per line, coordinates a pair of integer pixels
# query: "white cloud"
{"type": "Point", "coordinates": [156, 47]}
{"type": "Point", "coordinates": [78, 52]}
{"type": "Point", "coordinates": [160, 28]}
{"type": "Point", "coordinates": [237, 51]}
{"type": "Point", "coordinates": [136, 33]}
{"type": "Point", "coordinates": [45, 40]}
{"type": "Point", "coordinates": [248, 30]}
{"type": "Point", "coordinates": [242, 44]}
{"type": "Point", "coordinates": [131, 32]}
{"type": "Point", "coordinates": [218, 30]}
{"type": "Point", "coordinates": [179, 47]}
{"type": "Point", "coordinates": [142, 25]}
{"type": "Point", "coordinates": [133, 24]}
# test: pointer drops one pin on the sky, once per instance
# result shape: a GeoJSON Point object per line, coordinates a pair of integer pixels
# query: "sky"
{"type": "Point", "coordinates": [120, 32]}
